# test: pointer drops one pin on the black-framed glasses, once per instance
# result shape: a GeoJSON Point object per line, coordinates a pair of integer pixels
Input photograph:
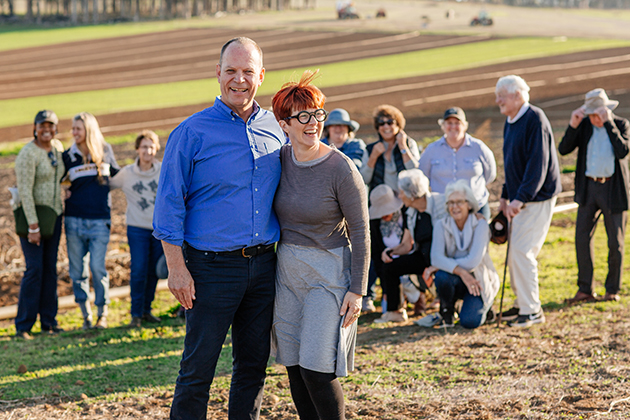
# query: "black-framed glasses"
{"type": "Point", "coordinates": [304, 117]}
{"type": "Point", "coordinates": [53, 159]}
{"type": "Point", "coordinates": [388, 121]}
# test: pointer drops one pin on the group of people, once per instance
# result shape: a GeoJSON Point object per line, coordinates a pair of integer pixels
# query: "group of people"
{"type": "Point", "coordinates": [90, 170]}
{"type": "Point", "coordinates": [271, 227]}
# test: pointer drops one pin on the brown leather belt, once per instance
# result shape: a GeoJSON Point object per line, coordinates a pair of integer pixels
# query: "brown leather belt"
{"type": "Point", "coordinates": [600, 180]}
{"type": "Point", "coordinates": [252, 251]}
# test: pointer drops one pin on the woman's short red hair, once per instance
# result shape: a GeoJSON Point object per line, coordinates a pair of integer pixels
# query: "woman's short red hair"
{"type": "Point", "coordinates": [297, 96]}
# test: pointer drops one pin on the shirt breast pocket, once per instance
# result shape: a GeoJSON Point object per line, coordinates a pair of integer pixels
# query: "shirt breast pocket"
{"type": "Point", "coordinates": [473, 166]}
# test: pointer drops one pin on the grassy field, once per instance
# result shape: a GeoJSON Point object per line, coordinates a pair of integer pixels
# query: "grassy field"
{"type": "Point", "coordinates": [16, 37]}
{"type": "Point", "coordinates": [390, 67]}
{"type": "Point", "coordinates": [401, 370]}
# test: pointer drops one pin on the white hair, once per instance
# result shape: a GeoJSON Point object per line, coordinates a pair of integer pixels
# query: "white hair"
{"type": "Point", "coordinates": [413, 183]}
{"type": "Point", "coordinates": [461, 186]}
{"type": "Point", "coordinates": [513, 84]}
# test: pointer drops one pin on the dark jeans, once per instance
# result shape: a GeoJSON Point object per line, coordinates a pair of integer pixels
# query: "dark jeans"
{"type": "Point", "coordinates": [391, 272]}
{"type": "Point", "coordinates": [38, 291]}
{"type": "Point", "coordinates": [596, 204]}
{"type": "Point", "coordinates": [145, 252]}
{"type": "Point", "coordinates": [230, 290]}
{"type": "Point", "coordinates": [450, 288]}
{"type": "Point", "coordinates": [372, 276]}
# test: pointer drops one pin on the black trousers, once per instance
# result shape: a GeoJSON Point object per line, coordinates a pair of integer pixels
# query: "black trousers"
{"type": "Point", "coordinates": [615, 223]}
{"type": "Point", "coordinates": [391, 272]}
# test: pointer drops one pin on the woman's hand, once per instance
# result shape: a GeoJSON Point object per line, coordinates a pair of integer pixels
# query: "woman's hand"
{"type": "Point", "coordinates": [401, 140]}
{"type": "Point", "coordinates": [474, 287]}
{"type": "Point", "coordinates": [427, 275]}
{"type": "Point", "coordinates": [35, 238]}
{"type": "Point", "coordinates": [377, 151]}
{"type": "Point", "coordinates": [350, 308]}
{"type": "Point", "coordinates": [386, 257]}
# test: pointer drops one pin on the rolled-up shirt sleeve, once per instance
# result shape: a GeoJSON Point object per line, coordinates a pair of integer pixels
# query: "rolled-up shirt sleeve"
{"type": "Point", "coordinates": [175, 178]}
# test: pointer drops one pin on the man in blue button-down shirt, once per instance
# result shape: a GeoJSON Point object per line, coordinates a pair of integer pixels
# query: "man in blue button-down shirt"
{"type": "Point", "coordinates": [214, 215]}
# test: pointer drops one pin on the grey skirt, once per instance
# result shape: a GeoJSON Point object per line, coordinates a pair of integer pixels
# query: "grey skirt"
{"type": "Point", "coordinates": [310, 286]}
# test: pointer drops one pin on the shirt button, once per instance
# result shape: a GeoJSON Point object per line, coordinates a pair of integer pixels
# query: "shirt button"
{"type": "Point", "coordinates": [256, 234]}
{"type": "Point", "coordinates": [256, 211]}
{"type": "Point", "coordinates": [256, 189]}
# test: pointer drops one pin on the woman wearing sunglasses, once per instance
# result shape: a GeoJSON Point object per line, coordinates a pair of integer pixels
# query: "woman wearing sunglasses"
{"type": "Point", "coordinates": [38, 169]}
{"type": "Point", "coordinates": [393, 152]}
{"type": "Point", "coordinates": [323, 255]}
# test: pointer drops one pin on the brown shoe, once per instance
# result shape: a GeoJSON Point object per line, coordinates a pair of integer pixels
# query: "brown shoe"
{"type": "Point", "coordinates": [581, 297]}
{"type": "Point", "coordinates": [136, 322]}
{"type": "Point", "coordinates": [420, 306]}
{"type": "Point", "coordinates": [611, 297]}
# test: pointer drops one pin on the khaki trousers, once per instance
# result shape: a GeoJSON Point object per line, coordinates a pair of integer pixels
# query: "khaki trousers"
{"type": "Point", "coordinates": [529, 230]}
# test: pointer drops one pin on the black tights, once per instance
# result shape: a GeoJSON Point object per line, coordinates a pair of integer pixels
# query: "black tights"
{"type": "Point", "coordinates": [317, 396]}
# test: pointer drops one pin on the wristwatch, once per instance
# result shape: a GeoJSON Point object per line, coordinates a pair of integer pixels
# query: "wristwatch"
{"type": "Point", "coordinates": [403, 151]}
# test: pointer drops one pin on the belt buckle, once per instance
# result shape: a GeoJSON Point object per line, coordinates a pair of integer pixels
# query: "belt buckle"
{"type": "Point", "coordinates": [243, 253]}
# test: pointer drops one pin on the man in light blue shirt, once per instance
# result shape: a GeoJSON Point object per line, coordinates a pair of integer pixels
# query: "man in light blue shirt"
{"type": "Point", "coordinates": [214, 215]}
{"type": "Point", "coordinates": [602, 183]}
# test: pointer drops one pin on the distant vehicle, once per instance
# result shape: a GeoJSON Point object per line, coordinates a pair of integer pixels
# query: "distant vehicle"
{"type": "Point", "coordinates": [346, 10]}
{"type": "Point", "coordinates": [483, 19]}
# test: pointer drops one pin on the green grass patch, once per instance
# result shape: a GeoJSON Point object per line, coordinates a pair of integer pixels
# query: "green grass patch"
{"type": "Point", "coordinates": [433, 61]}
{"type": "Point", "coordinates": [15, 37]}
{"type": "Point", "coordinates": [404, 364]}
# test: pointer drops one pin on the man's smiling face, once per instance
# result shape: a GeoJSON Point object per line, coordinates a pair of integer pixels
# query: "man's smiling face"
{"type": "Point", "coordinates": [240, 74]}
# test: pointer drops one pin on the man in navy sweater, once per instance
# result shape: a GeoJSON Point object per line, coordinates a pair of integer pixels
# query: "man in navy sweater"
{"type": "Point", "coordinates": [532, 182]}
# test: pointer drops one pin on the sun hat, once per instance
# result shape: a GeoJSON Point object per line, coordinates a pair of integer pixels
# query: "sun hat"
{"type": "Point", "coordinates": [383, 201]}
{"type": "Point", "coordinates": [597, 98]}
{"type": "Point", "coordinates": [340, 116]}
{"type": "Point", "coordinates": [454, 112]}
{"type": "Point", "coordinates": [46, 116]}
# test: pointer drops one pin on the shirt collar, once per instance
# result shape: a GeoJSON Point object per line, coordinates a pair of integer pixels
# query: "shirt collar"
{"type": "Point", "coordinates": [520, 113]}
{"type": "Point", "coordinates": [442, 141]}
{"type": "Point", "coordinates": [233, 114]}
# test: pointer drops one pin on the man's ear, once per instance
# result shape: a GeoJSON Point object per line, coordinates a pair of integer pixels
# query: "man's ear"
{"type": "Point", "coordinates": [262, 75]}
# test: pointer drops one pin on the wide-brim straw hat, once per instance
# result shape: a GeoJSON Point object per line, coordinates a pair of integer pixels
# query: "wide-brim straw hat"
{"type": "Point", "coordinates": [597, 98]}
{"type": "Point", "coordinates": [383, 201]}
{"type": "Point", "coordinates": [340, 116]}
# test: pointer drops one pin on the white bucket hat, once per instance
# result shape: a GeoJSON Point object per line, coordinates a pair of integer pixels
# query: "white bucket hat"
{"type": "Point", "coordinates": [597, 98]}
{"type": "Point", "coordinates": [383, 201]}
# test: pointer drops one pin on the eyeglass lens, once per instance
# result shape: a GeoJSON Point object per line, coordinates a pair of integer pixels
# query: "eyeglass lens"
{"type": "Point", "coordinates": [304, 116]}
{"type": "Point", "coordinates": [455, 203]}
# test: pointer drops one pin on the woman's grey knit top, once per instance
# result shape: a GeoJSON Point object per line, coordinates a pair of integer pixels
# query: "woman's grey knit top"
{"type": "Point", "coordinates": [323, 203]}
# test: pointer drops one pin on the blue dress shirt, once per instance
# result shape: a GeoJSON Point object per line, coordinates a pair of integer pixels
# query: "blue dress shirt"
{"type": "Point", "coordinates": [218, 180]}
{"type": "Point", "coordinates": [600, 157]}
{"type": "Point", "coordinates": [473, 161]}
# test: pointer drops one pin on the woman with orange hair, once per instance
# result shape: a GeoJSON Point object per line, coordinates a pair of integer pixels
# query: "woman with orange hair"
{"type": "Point", "coordinates": [323, 255]}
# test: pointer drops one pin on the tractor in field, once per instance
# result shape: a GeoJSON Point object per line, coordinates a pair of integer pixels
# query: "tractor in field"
{"type": "Point", "coordinates": [346, 10]}
{"type": "Point", "coordinates": [483, 19]}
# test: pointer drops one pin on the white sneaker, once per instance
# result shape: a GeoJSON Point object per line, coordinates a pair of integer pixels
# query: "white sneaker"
{"type": "Point", "coordinates": [409, 289]}
{"type": "Point", "coordinates": [393, 316]}
{"type": "Point", "coordinates": [367, 305]}
{"type": "Point", "coordinates": [429, 320]}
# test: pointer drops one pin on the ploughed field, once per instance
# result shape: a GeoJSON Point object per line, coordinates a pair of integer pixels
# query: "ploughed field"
{"type": "Point", "coordinates": [486, 374]}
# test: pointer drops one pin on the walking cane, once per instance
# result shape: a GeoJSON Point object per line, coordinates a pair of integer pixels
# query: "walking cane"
{"type": "Point", "coordinates": [507, 254]}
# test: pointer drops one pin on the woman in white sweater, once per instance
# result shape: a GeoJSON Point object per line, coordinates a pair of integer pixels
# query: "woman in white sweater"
{"type": "Point", "coordinates": [139, 182]}
{"type": "Point", "coordinates": [460, 260]}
